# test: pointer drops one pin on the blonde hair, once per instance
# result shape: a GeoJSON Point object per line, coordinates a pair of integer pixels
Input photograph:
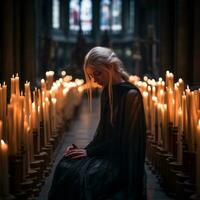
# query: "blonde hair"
{"type": "Point", "coordinates": [104, 59]}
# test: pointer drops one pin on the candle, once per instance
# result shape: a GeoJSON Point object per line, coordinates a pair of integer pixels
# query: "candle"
{"type": "Point", "coordinates": [179, 137]}
{"type": "Point", "coordinates": [27, 88]}
{"type": "Point", "coordinates": [153, 117]}
{"type": "Point", "coordinates": [13, 85]}
{"type": "Point", "coordinates": [45, 122]}
{"type": "Point", "coordinates": [1, 103]}
{"type": "Point", "coordinates": [27, 144]}
{"type": "Point", "coordinates": [11, 131]}
{"type": "Point", "coordinates": [4, 107]}
{"type": "Point", "coordinates": [145, 100]}
{"type": "Point", "coordinates": [4, 169]}
{"type": "Point", "coordinates": [17, 90]}
{"type": "Point", "coordinates": [159, 116]}
{"type": "Point", "coordinates": [198, 159]}
{"type": "Point", "coordinates": [165, 123]}
{"type": "Point", "coordinates": [21, 119]}
{"type": "Point", "coordinates": [53, 100]}
{"type": "Point", "coordinates": [185, 117]}
{"type": "Point", "coordinates": [1, 127]}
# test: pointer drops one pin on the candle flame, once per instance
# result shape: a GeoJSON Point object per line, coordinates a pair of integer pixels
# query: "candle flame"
{"type": "Point", "coordinates": [54, 100]}
{"type": "Point", "coordinates": [4, 146]}
{"type": "Point", "coordinates": [63, 73]}
{"type": "Point", "coordinates": [145, 94]}
{"type": "Point", "coordinates": [154, 98]}
{"type": "Point", "coordinates": [180, 111]}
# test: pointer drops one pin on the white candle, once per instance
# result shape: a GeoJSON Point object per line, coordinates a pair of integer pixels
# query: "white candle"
{"type": "Point", "coordinates": [179, 136]}
{"type": "Point", "coordinates": [4, 105]}
{"type": "Point", "coordinates": [12, 85]}
{"type": "Point", "coordinates": [12, 134]}
{"type": "Point", "coordinates": [4, 169]}
{"type": "Point", "coordinates": [1, 103]}
{"type": "Point", "coordinates": [198, 159]}
{"type": "Point", "coordinates": [17, 85]}
{"type": "Point", "coordinates": [53, 100]}
{"type": "Point", "coordinates": [1, 127]}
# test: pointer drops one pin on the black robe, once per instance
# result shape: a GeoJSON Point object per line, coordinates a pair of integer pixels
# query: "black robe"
{"type": "Point", "coordinates": [114, 167]}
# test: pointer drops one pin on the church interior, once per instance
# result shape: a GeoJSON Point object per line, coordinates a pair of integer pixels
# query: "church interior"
{"type": "Point", "coordinates": [43, 91]}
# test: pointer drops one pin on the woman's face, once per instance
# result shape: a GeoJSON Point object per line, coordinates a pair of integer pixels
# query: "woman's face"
{"type": "Point", "coordinates": [98, 75]}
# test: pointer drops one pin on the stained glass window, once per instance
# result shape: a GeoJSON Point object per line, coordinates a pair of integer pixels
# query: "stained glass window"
{"type": "Point", "coordinates": [80, 15]}
{"type": "Point", "coordinates": [86, 15]}
{"type": "Point", "coordinates": [56, 14]}
{"type": "Point", "coordinates": [105, 15]}
{"type": "Point", "coordinates": [131, 15]}
{"type": "Point", "coordinates": [111, 15]}
{"type": "Point", "coordinates": [116, 15]}
{"type": "Point", "coordinates": [74, 15]}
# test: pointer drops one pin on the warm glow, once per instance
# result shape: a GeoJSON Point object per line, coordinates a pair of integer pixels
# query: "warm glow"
{"type": "Point", "coordinates": [54, 100]}
{"type": "Point", "coordinates": [67, 78]}
{"type": "Point", "coordinates": [134, 79]}
{"type": "Point", "coordinates": [145, 78]}
{"type": "Point", "coordinates": [198, 127]}
{"type": "Point", "coordinates": [154, 98]}
{"type": "Point", "coordinates": [161, 92]}
{"type": "Point", "coordinates": [80, 89]}
{"type": "Point", "coordinates": [1, 124]}
{"type": "Point", "coordinates": [63, 73]}
{"type": "Point", "coordinates": [65, 91]}
{"type": "Point", "coordinates": [79, 81]}
{"type": "Point", "coordinates": [180, 80]}
{"type": "Point", "coordinates": [49, 73]}
{"type": "Point", "coordinates": [145, 94]}
{"type": "Point", "coordinates": [180, 112]}
{"type": "Point", "coordinates": [4, 146]}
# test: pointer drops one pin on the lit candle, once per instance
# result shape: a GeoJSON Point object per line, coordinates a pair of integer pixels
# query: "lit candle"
{"type": "Point", "coordinates": [4, 104]}
{"type": "Point", "coordinates": [179, 137]}
{"type": "Point", "coordinates": [145, 100]}
{"type": "Point", "coordinates": [13, 85]}
{"type": "Point", "coordinates": [45, 122]}
{"type": "Point", "coordinates": [27, 108]}
{"type": "Point", "coordinates": [33, 116]}
{"type": "Point", "coordinates": [53, 100]}
{"type": "Point", "coordinates": [1, 127]}
{"type": "Point", "coordinates": [17, 90]}
{"type": "Point", "coordinates": [185, 117]}
{"type": "Point", "coordinates": [1, 103]}
{"type": "Point", "coordinates": [153, 117]}
{"type": "Point", "coordinates": [164, 126]}
{"type": "Point", "coordinates": [198, 159]}
{"type": "Point", "coordinates": [4, 169]}
{"type": "Point", "coordinates": [12, 134]}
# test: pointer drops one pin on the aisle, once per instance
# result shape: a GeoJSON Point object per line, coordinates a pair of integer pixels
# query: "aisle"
{"type": "Point", "coordinates": [81, 133]}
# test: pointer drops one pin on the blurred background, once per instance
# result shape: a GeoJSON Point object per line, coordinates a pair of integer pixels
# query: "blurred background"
{"type": "Point", "coordinates": [150, 36]}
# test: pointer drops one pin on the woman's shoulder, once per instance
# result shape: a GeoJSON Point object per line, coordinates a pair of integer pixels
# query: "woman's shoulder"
{"type": "Point", "coordinates": [128, 87]}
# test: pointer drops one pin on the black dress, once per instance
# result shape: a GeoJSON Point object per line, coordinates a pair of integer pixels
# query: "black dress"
{"type": "Point", "coordinates": [114, 167]}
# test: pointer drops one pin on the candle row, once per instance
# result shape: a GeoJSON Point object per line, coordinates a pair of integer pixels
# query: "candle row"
{"type": "Point", "coordinates": [26, 111]}
{"type": "Point", "coordinates": [168, 102]}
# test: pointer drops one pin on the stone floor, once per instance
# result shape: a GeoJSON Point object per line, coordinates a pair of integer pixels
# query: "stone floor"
{"type": "Point", "coordinates": [80, 133]}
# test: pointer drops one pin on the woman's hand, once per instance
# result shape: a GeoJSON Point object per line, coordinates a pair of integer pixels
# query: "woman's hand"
{"type": "Point", "coordinates": [69, 148]}
{"type": "Point", "coordinates": [75, 152]}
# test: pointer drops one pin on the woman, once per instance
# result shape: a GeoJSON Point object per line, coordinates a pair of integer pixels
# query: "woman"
{"type": "Point", "coordinates": [112, 164]}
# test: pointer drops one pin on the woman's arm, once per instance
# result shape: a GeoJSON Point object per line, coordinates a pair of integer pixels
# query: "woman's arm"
{"type": "Point", "coordinates": [99, 149]}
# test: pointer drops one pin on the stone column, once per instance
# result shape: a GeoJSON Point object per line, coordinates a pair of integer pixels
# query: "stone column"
{"type": "Point", "coordinates": [196, 43]}
{"type": "Point", "coordinates": [7, 63]}
{"type": "Point", "coordinates": [166, 35]}
{"type": "Point", "coordinates": [28, 37]}
{"type": "Point", "coordinates": [183, 37]}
